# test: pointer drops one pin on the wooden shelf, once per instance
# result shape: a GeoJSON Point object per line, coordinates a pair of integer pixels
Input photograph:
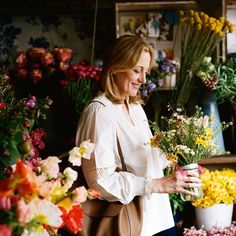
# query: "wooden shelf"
{"type": "Point", "coordinates": [219, 160]}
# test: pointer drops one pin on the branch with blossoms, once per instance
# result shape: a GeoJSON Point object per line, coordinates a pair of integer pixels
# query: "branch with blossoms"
{"type": "Point", "coordinates": [42, 202]}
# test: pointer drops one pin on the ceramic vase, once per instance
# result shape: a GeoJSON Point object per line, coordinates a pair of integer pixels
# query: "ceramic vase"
{"type": "Point", "coordinates": [219, 215]}
{"type": "Point", "coordinates": [210, 107]}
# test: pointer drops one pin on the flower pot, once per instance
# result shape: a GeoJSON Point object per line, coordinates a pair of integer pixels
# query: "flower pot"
{"type": "Point", "coordinates": [219, 215]}
{"type": "Point", "coordinates": [198, 191]}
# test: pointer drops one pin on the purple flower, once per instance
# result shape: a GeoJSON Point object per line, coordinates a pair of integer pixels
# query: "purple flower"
{"type": "Point", "coordinates": [151, 86]}
{"type": "Point", "coordinates": [31, 103]}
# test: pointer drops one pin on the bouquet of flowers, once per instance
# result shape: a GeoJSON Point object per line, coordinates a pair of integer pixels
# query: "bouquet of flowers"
{"type": "Point", "coordinates": [40, 201]}
{"type": "Point", "coordinates": [78, 84]}
{"type": "Point", "coordinates": [218, 186]}
{"type": "Point", "coordinates": [200, 34]}
{"type": "Point", "coordinates": [184, 139]}
{"type": "Point", "coordinates": [20, 134]}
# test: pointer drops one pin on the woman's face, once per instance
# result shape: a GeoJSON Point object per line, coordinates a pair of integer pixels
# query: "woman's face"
{"type": "Point", "coordinates": [128, 82]}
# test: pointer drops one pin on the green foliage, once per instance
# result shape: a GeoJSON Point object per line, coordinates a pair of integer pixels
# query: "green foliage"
{"type": "Point", "coordinates": [226, 81]}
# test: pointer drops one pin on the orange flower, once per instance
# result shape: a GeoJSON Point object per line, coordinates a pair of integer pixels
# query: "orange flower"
{"type": "Point", "coordinates": [17, 182]}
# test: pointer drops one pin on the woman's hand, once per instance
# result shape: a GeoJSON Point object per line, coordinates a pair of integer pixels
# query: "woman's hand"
{"type": "Point", "coordinates": [178, 182]}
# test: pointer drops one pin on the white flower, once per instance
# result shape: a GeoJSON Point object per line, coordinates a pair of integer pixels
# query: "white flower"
{"type": "Point", "coordinates": [84, 150]}
{"type": "Point", "coordinates": [50, 167]}
{"type": "Point", "coordinates": [206, 60]}
{"type": "Point", "coordinates": [70, 177]}
{"type": "Point", "coordinates": [45, 212]}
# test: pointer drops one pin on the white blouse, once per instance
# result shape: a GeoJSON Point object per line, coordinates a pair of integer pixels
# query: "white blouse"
{"type": "Point", "coordinates": [103, 122]}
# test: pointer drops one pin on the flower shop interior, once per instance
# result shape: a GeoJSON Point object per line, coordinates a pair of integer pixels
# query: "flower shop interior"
{"type": "Point", "coordinates": [51, 57]}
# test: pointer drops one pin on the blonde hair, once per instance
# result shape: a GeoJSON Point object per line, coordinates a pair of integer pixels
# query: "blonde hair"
{"type": "Point", "coordinates": [123, 54]}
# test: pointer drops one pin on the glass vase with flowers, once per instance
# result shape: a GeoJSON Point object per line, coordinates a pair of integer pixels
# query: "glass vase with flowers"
{"type": "Point", "coordinates": [186, 140]}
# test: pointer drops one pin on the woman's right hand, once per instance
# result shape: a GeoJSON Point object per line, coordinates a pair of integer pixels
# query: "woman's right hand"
{"type": "Point", "coordinates": [177, 182]}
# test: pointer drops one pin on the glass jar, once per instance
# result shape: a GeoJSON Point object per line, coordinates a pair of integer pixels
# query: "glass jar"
{"type": "Point", "coordinates": [197, 190]}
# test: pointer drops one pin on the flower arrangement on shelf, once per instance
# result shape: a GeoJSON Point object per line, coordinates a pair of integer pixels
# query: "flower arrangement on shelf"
{"type": "Point", "coordinates": [186, 139]}
{"type": "Point", "coordinates": [219, 186]}
{"type": "Point", "coordinates": [20, 133]}
{"type": "Point", "coordinates": [40, 201]}
{"type": "Point", "coordinates": [199, 36]}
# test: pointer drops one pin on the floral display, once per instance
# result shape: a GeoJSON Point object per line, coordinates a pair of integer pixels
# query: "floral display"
{"type": "Point", "coordinates": [200, 34]}
{"type": "Point", "coordinates": [79, 82]}
{"type": "Point", "coordinates": [20, 133]}
{"type": "Point", "coordinates": [39, 63]}
{"type": "Point", "coordinates": [185, 139]}
{"type": "Point", "coordinates": [229, 231]}
{"type": "Point", "coordinates": [55, 67]}
{"type": "Point", "coordinates": [41, 201]}
{"type": "Point", "coordinates": [219, 186]}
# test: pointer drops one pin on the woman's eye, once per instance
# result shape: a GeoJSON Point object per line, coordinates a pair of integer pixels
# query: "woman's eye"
{"type": "Point", "coordinates": [137, 71]}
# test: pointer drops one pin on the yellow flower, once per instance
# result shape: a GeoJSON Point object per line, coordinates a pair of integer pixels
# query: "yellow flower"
{"type": "Point", "coordinates": [219, 186]}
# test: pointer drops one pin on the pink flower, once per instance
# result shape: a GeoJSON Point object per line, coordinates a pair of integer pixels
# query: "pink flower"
{"type": "Point", "coordinates": [5, 203]}
{"type": "Point", "coordinates": [79, 195]}
{"type": "Point", "coordinates": [23, 212]}
{"type": "Point", "coordinates": [5, 230]}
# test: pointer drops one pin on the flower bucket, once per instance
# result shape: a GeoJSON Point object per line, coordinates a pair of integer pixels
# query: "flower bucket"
{"type": "Point", "coordinates": [219, 215]}
{"type": "Point", "coordinates": [198, 191]}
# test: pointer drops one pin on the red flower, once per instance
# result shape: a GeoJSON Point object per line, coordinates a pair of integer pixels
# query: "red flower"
{"type": "Point", "coordinates": [73, 220]}
{"type": "Point", "coordinates": [3, 104]}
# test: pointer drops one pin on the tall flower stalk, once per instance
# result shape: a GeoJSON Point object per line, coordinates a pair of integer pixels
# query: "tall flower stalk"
{"type": "Point", "coordinates": [200, 34]}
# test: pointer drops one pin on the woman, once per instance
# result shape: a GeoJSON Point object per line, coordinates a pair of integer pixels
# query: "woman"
{"type": "Point", "coordinates": [116, 113]}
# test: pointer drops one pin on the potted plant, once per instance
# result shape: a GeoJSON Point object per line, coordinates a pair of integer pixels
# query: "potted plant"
{"type": "Point", "coordinates": [219, 193]}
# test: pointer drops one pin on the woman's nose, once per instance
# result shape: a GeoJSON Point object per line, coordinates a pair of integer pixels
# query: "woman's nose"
{"type": "Point", "coordinates": [142, 78]}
